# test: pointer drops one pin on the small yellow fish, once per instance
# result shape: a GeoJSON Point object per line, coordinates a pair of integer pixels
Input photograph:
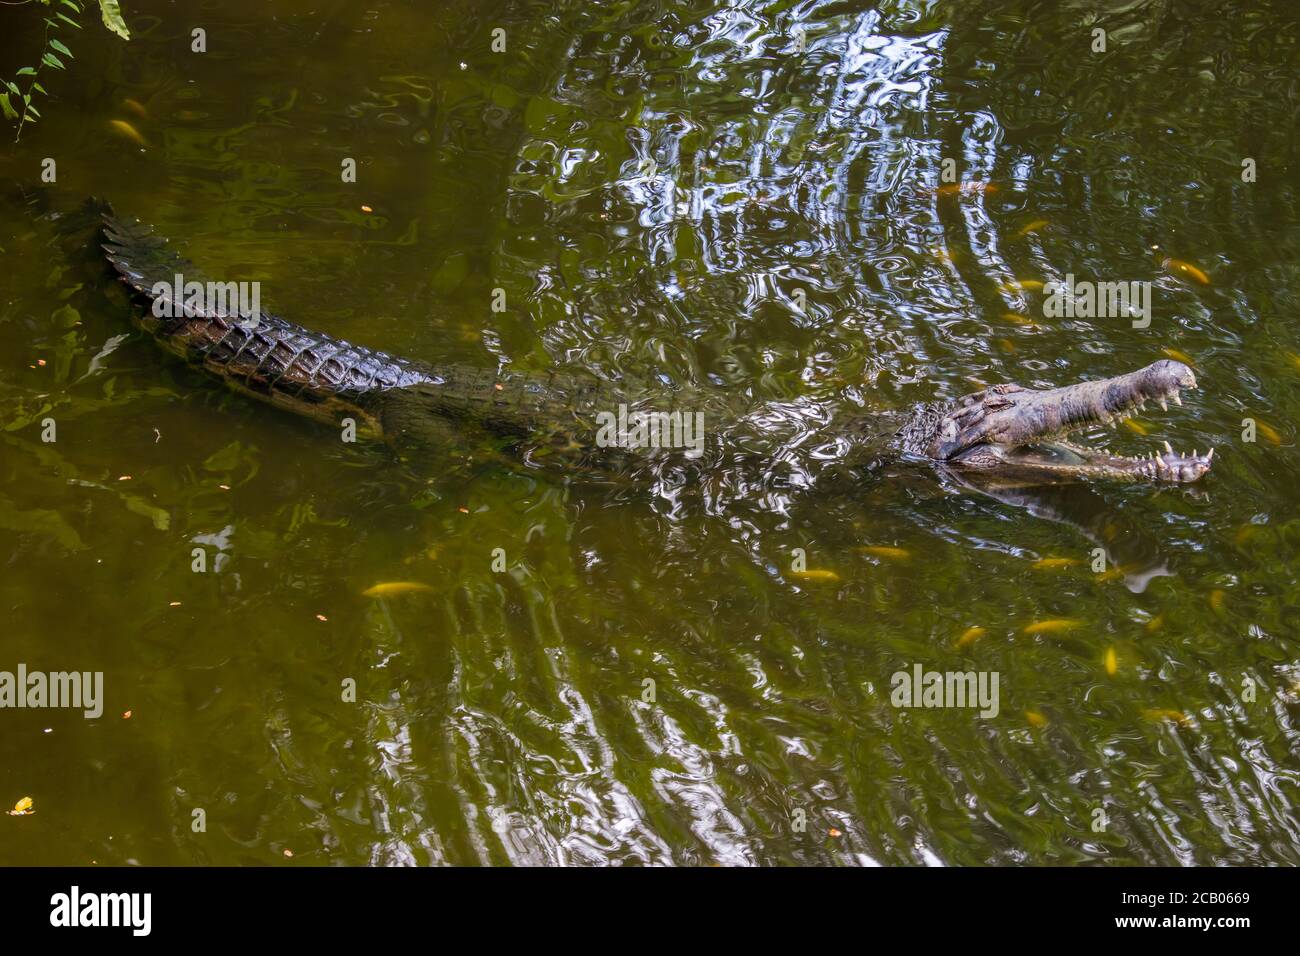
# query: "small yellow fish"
{"type": "Point", "coordinates": [1007, 346]}
{"type": "Point", "coordinates": [1017, 318]}
{"type": "Point", "coordinates": [1033, 227]}
{"type": "Point", "coordinates": [127, 130]}
{"type": "Point", "coordinates": [816, 574]}
{"type": "Point", "coordinates": [389, 588]}
{"type": "Point", "coordinates": [1164, 713]}
{"type": "Point", "coordinates": [1295, 359]}
{"type": "Point", "coordinates": [1179, 356]}
{"type": "Point", "coordinates": [136, 107]}
{"type": "Point", "coordinates": [1216, 599]}
{"type": "Point", "coordinates": [1180, 268]}
{"type": "Point", "coordinates": [1156, 623]}
{"type": "Point", "coordinates": [970, 636]}
{"type": "Point", "coordinates": [1053, 626]}
{"type": "Point", "coordinates": [1135, 426]}
{"type": "Point", "coordinates": [1111, 660]}
{"type": "Point", "coordinates": [1110, 574]}
{"type": "Point", "coordinates": [22, 808]}
{"type": "Point", "coordinates": [970, 188]}
{"type": "Point", "coordinates": [1247, 532]}
{"type": "Point", "coordinates": [1044, 564]}
{"type": "Point", "coordinates": [1268, 431]}
{"type": "Point", "coordinates": [884, 551]}
{"type": "Point", "coordinates": [1021, 285]}
{"type": "Point", "coordinates": [1036, 720]}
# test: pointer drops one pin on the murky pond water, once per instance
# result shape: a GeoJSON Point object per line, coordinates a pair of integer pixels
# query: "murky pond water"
{"type": "Point", "coordinates": [745, 199]}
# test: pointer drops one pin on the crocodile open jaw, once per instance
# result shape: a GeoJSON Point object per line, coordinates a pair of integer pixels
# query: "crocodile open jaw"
{"type": "Point", "coordinates": [1007, 427]}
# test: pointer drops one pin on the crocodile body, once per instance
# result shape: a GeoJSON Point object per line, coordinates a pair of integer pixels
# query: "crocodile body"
{"type": "Point", "coordinates": [1004, 428]}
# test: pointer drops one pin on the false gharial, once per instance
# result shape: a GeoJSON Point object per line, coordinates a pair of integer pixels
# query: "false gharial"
{"type": "Point", "coordinates": [1000, 430]}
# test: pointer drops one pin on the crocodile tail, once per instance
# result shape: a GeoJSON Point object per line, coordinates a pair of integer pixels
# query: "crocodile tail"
{"type": "Point", "coordinates": [257, 353]}
{"type": "Point", "coordinates": [145, 260]}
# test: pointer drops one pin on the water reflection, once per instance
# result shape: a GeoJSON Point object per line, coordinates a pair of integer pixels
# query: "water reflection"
{"type": "Point", "coordinates": [742, 204]}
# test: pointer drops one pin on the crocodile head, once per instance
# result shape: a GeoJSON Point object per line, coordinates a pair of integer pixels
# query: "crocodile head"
{"type": "Point", "coordinates": [1006, 428]}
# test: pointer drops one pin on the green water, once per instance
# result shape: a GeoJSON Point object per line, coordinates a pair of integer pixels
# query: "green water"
{"type": "Point", "coordinates": [738, 197]}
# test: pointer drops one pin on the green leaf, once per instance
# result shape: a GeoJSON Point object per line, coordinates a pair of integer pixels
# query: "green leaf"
{"type": "Point", "coordinates": [13, 86]}
{"type": "Point", "coordinates": [33, 110]}
{"type": "Point", "coordinates": [38, 88]}
{"type": "Point", "coordinates": [68, 20]}
{"type": "Point", "coordinates": [71, 4]}
{"type": "Point", "coordinates": [49, 59]}
{"type": "Point", "coordinates": [9, 111]}
{"type": "Point", "coordinates": [112, 14]}
{"type": "Point", "coordinates": [27, 71]}
{"type": "Point", "coordinates": [61, 48]}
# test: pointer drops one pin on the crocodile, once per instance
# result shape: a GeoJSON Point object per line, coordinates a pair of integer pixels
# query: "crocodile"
{"type": "Point", "coordinates": [1003, 430]}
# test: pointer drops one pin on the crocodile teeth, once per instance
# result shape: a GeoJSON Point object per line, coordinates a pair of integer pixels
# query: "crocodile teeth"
{"type": "Point", "coordinates": [1209, 454]}
{"type": "Point", "coordinates": [1178, 399]}
{"type": "Point", "coordinates": [1168, 448]}
{"type": "Point", "coordinates": [1164, 406]}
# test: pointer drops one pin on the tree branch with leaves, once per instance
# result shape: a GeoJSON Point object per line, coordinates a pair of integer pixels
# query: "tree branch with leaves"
{"type": "Point", "coordinates": [16, 102]}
